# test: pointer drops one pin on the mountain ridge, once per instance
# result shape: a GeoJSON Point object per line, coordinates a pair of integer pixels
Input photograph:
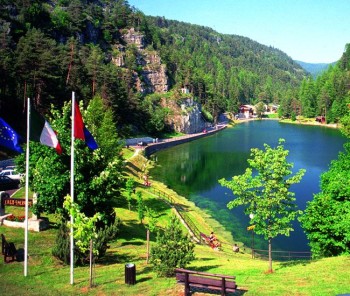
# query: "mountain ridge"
{"type": "Point", "coordinates": [315, 69]}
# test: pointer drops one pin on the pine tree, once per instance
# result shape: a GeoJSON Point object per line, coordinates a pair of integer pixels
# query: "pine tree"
{"type": "Point", "coordinates": [173, 249]}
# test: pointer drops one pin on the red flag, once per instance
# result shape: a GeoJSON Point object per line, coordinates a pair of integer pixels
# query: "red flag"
{"type": "Point", "coordinates": [80, 131]}
{"type": "Point", "coordinates": [78, 123]}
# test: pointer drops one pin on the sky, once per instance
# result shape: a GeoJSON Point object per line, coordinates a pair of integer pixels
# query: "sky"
{"type": "Point", "coordinates": [312, 31]}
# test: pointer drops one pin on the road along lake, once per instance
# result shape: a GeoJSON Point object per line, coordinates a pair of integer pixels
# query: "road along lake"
{"type": "Point", "coordinates": [193, 170]}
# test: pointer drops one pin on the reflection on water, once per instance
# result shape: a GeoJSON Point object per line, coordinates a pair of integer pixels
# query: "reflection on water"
{"type": "Point", "coordinates": [193, 169]}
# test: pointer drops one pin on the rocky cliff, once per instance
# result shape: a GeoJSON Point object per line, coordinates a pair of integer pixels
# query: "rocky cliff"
{"type": "Point", "coordinates": [186, 115]}
{"type": "Point", "coordinates": [151, 77]}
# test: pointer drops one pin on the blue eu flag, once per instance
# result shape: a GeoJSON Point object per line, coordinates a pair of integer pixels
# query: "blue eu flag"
{"type": "Point", "coordinates": [8, 137]}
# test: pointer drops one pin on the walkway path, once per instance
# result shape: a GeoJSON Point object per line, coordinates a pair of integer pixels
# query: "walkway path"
{"type": "Point", "coordinates": [154, 146]}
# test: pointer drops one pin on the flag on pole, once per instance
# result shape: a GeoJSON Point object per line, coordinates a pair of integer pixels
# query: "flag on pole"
{"type": "Point", "coordinates": [8, 137]}
{"type": "Point", "coordinates": [27, 193]}
{"type": "Point", "coordinates": [41, 131]}
{"type": "Point", "coordinates": [80, 131]}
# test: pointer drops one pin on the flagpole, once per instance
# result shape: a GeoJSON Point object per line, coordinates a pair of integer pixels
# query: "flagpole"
{"type": "Point", "coordinates": [72, 192]}
{"type": "Point", "coordinates": [27, 193]}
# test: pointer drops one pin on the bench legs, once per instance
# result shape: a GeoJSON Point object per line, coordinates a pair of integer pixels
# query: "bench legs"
{"type": "Point", "coordinates": [6, 256]}
{"type": "Point", "coordinates": [187, 285]}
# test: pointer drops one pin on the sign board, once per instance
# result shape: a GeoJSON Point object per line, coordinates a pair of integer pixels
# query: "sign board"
{"type": "Point", "coordinates": [17, 202]}
{"type": "Point", "coordinates": [251, 227]}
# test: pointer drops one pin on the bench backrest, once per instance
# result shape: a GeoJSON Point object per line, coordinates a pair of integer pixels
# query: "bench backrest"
{"type": "Point", "coordinates": [206, 280]}
{"type": "Point", "coordinates": [7, 249]}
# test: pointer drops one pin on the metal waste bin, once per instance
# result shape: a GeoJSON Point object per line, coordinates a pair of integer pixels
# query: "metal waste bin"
{"type": "Point", "coordinates": [130, 274]}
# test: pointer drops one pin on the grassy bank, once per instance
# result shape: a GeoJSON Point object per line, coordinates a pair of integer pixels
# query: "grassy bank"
{"type": "Point", "coordinates": [47, 276]}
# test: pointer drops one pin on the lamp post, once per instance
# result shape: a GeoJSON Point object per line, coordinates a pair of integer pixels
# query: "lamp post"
{"type": "Point", "coordinates": [251, 216]}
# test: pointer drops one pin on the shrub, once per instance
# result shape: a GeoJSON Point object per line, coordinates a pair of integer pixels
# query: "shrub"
{"type": "Point", "coordinates": [173, 249]}
{"type": "Point", "coordinates": [104, 235]}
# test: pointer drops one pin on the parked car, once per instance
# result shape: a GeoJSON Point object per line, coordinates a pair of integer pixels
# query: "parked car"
{"type": "Point", "coordinates": [7, 183]}
{"type": "Point", "coordinates": [141, 143]}
{"type": "Point", "coordinates": [11, 174]}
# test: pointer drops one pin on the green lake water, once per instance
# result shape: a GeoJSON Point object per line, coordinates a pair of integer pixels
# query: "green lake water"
{"type": "Point", "coordinates": [193, 170]}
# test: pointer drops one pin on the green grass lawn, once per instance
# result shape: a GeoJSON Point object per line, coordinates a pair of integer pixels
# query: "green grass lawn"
{"type": "Point", "coordinates": [48, 276]}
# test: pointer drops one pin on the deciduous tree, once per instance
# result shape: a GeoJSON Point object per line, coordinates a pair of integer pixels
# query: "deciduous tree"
{"type": "Point", "coordinates": [265, 193]}
{"type": "Point", "coordinates": [326, 220]}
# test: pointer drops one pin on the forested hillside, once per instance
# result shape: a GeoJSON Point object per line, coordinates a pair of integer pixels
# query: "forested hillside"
{"type": "Point", "coordinates": [107, 48]}
{"type": "Point", "coordinates": [224, 70]}
{"type": "Point", "coordinates": [327, 95]}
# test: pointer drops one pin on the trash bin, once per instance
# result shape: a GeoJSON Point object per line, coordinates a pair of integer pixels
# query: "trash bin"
{"type": "Point", "coordinates": [130, 274]}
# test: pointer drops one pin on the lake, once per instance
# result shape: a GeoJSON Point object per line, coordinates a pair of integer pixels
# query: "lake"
{"type": "Point", "coordinates": [193, 170]}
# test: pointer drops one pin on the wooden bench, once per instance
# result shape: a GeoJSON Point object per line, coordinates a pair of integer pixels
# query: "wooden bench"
{"type": "Point", "coordinates": [210, 281]}
{"type": "Point", "coordinates": [8, 249]}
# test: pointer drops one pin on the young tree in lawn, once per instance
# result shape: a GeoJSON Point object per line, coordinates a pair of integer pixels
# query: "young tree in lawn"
{"type": "Point", "coordinates": [140, 206]}
{"type": "Point", "coordinates": [266, 194]}
{"type": "Point", "coordinates": [129, 187]}
{"type": "Point", "coordinates": [151, 226]}
{"type": "Point", "coordinates": [85, 231]}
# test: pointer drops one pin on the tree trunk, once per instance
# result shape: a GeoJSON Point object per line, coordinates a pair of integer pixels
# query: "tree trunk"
{"type": "Point", "coordinates": [91, 263]}
{"type": "Point", "coordinates": [270, 256]}
{"type": "Point", "coordinates": [70, 62]}
{"type": "Point", "coordinates": [147, 258]}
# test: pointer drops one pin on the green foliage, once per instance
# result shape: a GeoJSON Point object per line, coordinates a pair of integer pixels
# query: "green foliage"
{"type": "Point", "coordinates": [129, 187]}
{"type": "Point", "coordinates": [326, 218]}
{"type": "Point", "coordinates": [103, 236]}
{"type": "Point", "coordinates": [307, 97]}
{"type": "Point", "coordinates": [328, 94]}
{"type": "Point", "coordinates": [266, 194]}
{"type": "Point", "coordinates": [100, 120]}
{"type": "Point", "coordinates": [207, 116]}
{"type": "Point", "coordinates": [156, 114]}
{"type": "Point", "coordinates": [260, 108]}
{"type": "Point", "coordinates": [140, 206]}
{"type": "Point", "coordinates": [345, 120]}
{"type": "Point", "coordinates": [152, 220]}
{"type": "Point", "coordinates": [84, 228]}
{"type": "Point", "coordinates": [293, 116]}
{"type": "Point", "coordinates": [61, 248]}
{"type": "Point", "coordinates": [60, 18]}
{"type": "Point", "coordinates": [98, 179]}
{"type": "Point", "coordinates": [172, 250]}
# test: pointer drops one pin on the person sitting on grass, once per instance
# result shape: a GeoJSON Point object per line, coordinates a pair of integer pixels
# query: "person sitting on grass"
{"type": "Point", "coordinates": [235, 248]}
{"type": "Point", "coordinates": [212, 237]}
{"type": "Point", "coordinates": [216, 245]}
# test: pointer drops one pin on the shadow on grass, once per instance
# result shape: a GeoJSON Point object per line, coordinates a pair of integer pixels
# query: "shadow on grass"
{"type": "Point", "coordinates": [115, 258]}
{"type": "Point", "coordinates": [132, 231]}
{"type": "Point", "coordinates": [206, 259]}
{"type": "Point", "coordinates": [20, 255]}
{"type": "Point", "coordinates": [155, 205]}
{"type": "Point", "coordinates": [206, 268]}
{"type": "Point", "coordinates": [214, 292]}
{"type": "Point", "coordinates": [294, 263]}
